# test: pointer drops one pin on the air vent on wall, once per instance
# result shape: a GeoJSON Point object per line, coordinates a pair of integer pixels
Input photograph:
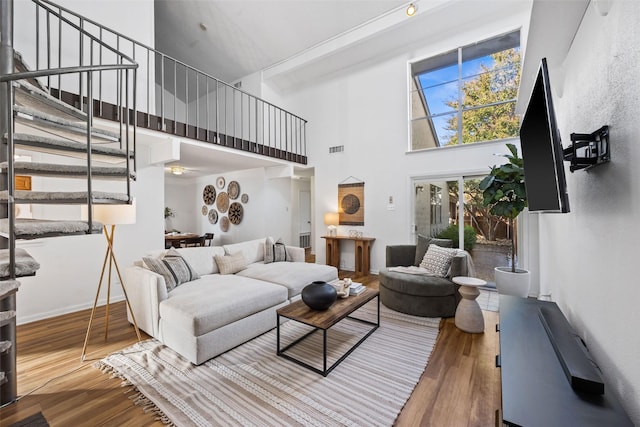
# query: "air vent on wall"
{"type": "Point", "coordinates": [238, 85]}
{"type": "Point", "coordinates": [336, 149]}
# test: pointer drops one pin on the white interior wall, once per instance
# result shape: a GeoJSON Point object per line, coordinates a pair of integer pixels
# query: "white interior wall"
{"type": "Point", "coordinates": [179, 195]}
{"type": "Point", "coordinates": [587, 255]}
{"type": "Point", "coordinates": [365, 109]}
{"type": "Point", "coordinates": [70, 266]}
{"type": "Point", "coordinates": [267, 213]}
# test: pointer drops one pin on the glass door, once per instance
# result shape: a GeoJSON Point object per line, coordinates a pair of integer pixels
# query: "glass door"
{"type": "Point", "coordinates": [437, 213]}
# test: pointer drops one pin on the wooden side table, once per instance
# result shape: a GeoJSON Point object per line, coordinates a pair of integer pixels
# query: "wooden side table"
{"type": "Point", "coordinates": [468, 314]}
{"type": "Point", "coordinates": [362, 252]}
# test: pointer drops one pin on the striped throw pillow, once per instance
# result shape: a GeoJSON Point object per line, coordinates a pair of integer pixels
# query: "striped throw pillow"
{"type": "Point", "coordinates": [230, 264]}
{"type": "Point", "coordinates": [172, 267]}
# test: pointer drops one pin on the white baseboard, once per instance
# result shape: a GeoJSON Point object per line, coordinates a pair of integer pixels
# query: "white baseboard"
{"type": "Point", "coordinates": [21, 320]}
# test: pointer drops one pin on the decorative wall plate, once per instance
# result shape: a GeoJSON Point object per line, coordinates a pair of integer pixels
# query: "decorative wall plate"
{"type": "Point", "coordinates": [209, 194]}
{"type": "Point", "coordinates": [235, 213]}
{"type": "Point", "coordinates": [213, 216]}
{"type": "Point", "coordinates": [224, 224]}
{"type": "Point", "coordinates": [222, 203]}
{"type": "Point", "coordinates": [233, 190]}
{"type": "Point", "coordinates": [204, 210]}
{"type": "Point", "coordinates": [245, 198]}
{"type": "Point", "coordinates": [220, 182]}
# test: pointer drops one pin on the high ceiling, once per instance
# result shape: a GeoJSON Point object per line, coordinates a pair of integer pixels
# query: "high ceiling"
{"type": "Point", "coordinates": [297, 42]}
{"type": "Point", "coordinates": [231, 39]}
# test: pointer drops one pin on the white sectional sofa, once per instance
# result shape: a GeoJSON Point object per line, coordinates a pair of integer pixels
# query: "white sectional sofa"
{"type": "Point", "coordinates": [205, 317]}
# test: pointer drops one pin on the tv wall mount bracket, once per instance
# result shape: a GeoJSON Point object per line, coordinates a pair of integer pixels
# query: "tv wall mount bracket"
{"type": "Point", "coordinates": [588, 149]}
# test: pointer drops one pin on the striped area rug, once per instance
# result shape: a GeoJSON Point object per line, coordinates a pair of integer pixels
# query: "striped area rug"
{"type": "Point", "coordinates": [251, 385]}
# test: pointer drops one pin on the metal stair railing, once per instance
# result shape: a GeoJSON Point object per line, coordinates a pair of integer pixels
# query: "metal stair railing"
{"type": "Point", "coordinates": [125, 70]}
{"type": "Point", "coordinates": [210, 109]}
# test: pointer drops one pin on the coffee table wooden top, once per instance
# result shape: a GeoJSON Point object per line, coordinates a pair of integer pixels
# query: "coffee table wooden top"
{"type": "Point", "coordinates": [324, 319]}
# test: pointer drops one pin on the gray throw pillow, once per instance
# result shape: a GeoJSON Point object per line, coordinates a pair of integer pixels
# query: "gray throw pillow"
{"type": "Point", "coordinates": [175, 269]}
{"type": "Point", "coordinates": [421, 248]}
{"type": "Point", "coordinates": [274, 251]}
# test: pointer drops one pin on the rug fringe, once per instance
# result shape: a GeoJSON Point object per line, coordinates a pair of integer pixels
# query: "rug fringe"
{"type": "Point", "coordinates": [137, 397]}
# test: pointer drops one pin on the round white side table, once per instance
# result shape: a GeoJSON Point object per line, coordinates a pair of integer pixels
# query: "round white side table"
{"type": "Point", "coordinates": [468, 314]}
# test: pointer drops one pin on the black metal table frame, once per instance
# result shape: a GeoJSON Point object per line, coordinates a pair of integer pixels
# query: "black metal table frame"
{"type": "Point", "coordinates": [324, 371]}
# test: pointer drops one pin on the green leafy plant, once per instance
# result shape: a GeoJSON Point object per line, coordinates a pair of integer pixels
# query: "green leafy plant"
{"type": "Point", "coordinates": [451, 232]}
{"type": "Point", "coordinates": [168, 213]}
{"type": "Point", "coordinates": [504, 191]}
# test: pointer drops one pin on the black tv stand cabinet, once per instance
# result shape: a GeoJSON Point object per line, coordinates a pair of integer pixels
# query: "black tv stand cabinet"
{"type": "Point", "coordinates": [535, 388]}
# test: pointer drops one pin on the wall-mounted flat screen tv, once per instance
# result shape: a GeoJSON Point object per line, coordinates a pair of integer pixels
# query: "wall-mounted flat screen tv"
{"type": "Point", "coordinates": [542, 155]}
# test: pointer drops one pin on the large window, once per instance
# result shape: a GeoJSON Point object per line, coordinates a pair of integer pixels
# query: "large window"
{"type": "Point", "coordinates": [467, 95]}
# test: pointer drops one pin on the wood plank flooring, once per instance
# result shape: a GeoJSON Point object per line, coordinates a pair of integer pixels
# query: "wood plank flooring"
{"type": "Point", "coordinates": [460, 387]}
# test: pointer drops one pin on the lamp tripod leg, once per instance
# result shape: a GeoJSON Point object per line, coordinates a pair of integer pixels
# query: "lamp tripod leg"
{"type": "Point", "coordinates": [109, 238]}
{"type": "Point", "coordinates": [95, 303]}
{"type": "Point", "coordinates": [124, 289]}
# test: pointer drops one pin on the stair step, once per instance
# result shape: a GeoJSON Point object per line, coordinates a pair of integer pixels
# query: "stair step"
{"type": "Point", "coordinates": [6, 317]}
{"type": "Point", "coordinates": [28, 228]}
{"type": "Point", "coordinates": [8, 287]}
{"type": "Point", "coordinates": [25, 264]}
{"type": "Point", "coordinates": [20, 66]}
{"type": "Point", "coordinates": [65, 147]}
{"type": "Point", "coordinates": [61, 127]}
{"type": "Point", "coordinates": [64, 197]}
{"type": "Point", "coordinates": [29, 95]}
{"type": "Point", "coordinates": [5, 346]}
{"type": "Point", "coordinates": [68, 171]}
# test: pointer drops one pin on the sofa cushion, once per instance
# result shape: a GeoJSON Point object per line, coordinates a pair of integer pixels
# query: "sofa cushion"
{"type": "Point", "coordinates": [230, 264]}
{"type": "Point", "coordinates": [201, 258]}
{"type": "Point", "coordinates": [175, 269]}
{"type": "Point", "coordinates": [293, 275]}
{"type": "Point", "coordinates": [437, 260]}
{"type": "Point", "coordinates": [253, 250]}
{"type": "Point", "coordinates": [214, 301]}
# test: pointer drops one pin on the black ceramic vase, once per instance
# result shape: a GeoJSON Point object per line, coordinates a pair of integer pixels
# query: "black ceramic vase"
{"type": "Point", "coordinates": [319, 295]}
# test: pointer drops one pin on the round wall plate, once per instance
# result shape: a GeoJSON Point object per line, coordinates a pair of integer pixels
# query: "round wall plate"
{"type": "Point", "coordinates": [209, 194]}
{"type": "Point", "coordinates": [220, 182]}
{"type": "Point", "coordinates": [233, 190]}
{"type": "Point", "coordinates": [204, 210]}
{"type": "Point", "coordinates": [222, 203]}
{"type": "Point", "coordinates": [245, 198]}
{"type": "Point", "coordinates": [235, 213]}
{"type": "Point", "coordinates": [224, 224]}
{"type": "Point", "coordinates": [213, 216]}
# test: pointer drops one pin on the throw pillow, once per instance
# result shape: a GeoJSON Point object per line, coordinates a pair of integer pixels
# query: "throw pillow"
{"type": "Point", "coordinates": [438, 259]}
{"type": "Point", "coordinates": [421, 248]}
{"type": "Point", "coordinates": [175, 269]}
{"type": "Point", "coordinates": [274, 251]}
{"type": "Point", "coordinates": [230, 264]}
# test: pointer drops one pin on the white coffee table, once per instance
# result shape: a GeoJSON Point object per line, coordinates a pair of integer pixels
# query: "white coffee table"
{"type": "Point", "coordinates": [468, 314]}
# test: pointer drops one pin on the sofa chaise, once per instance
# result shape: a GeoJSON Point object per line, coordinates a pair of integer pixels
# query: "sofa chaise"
{"type": "Point", "coordinates": [218, 310]}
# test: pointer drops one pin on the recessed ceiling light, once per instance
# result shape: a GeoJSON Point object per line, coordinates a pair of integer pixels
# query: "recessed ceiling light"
{"type": "Point", "coordinates": [176, 170]}
{"type": "Point", "coordinates": [411, 9]}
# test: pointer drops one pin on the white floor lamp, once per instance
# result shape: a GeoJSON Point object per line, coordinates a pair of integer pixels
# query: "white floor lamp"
{"type": "Point", "coordinates": [111, 215]}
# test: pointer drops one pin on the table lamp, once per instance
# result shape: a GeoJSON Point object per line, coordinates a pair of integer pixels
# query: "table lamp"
{"type": "Point", "coordinates": [111, 214]}
{"type": "Point", "coordinates": [331, 220]}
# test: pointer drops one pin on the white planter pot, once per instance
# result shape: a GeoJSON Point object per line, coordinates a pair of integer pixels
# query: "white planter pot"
{"type": "Point", "coordinates": [509, 283]}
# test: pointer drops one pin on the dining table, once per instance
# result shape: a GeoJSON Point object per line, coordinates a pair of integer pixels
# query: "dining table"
{"type": "Point", "coordinates": [177, 240]}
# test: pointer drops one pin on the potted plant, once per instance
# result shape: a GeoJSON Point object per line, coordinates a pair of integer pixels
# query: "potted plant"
{"type": "Point", "coordinates": [503, 190]}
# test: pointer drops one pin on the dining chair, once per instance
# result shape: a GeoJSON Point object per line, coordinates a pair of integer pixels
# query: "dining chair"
{"type": "Point", "coordinates": [208, 238]}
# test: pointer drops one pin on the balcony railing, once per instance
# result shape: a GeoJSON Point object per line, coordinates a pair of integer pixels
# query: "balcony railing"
{"type": "Point", "coordinates": [171, 96]}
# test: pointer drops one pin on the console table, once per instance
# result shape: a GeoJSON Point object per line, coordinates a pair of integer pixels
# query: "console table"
{"type": "Point", "coordinates": [362, 252]}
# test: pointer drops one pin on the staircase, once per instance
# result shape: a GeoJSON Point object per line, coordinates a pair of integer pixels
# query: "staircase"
{"type": "Point", "coordinates": [97, 164]}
